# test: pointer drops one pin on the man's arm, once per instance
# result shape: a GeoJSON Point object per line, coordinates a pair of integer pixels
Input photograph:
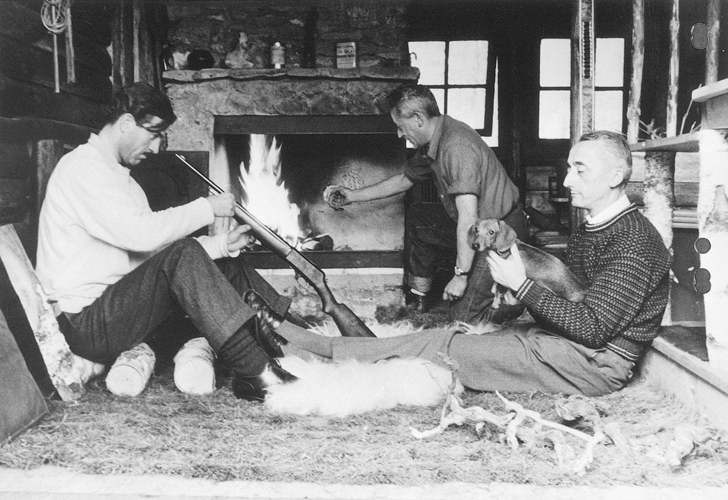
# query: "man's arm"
{"type": "Point", "coordinates": [339, 196]}
{"type": "Point", "coordinates": [467, 205]}
{"type": "Point", "coordinates": [612, 301]}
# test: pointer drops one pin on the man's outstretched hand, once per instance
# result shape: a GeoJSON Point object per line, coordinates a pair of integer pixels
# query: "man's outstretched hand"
{"type": "Point", "coordinates": [337, 196]}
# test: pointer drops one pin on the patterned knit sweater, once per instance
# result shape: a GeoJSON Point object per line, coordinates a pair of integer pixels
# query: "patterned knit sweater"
{"type": "Point", "coordinates": [625, 265]}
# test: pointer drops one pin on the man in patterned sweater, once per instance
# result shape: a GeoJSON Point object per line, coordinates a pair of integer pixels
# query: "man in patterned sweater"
{"type": "Point", "coordinates": [585, 348]}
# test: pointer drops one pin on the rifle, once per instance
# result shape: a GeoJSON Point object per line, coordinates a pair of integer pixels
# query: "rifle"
{"type": "Point", "coordinates": [350, 325]}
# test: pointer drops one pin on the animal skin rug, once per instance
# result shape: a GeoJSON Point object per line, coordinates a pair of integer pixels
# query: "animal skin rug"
{"type": "Point", "coordinates": [350, 387]}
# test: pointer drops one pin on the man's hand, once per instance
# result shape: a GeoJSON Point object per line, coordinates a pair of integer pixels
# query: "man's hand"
{"type": "Point", "coordinates": [508, 272]}
{"type": "Point", "coordinates": [223, 205]}
{"type": "Point", "coordinates": [337, 196]}
{"type": "Point", "coordinates": [456, 288]}
{"type": "Point", "coordinates": [239, 238]}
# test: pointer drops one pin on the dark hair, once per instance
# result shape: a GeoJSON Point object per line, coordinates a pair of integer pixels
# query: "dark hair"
{"type": "Point", "coordinates": [409, 98]}
{"type": "Point", "coordinates": [143, 102]}
{"type": "Point", "coordinates": [617, 144]}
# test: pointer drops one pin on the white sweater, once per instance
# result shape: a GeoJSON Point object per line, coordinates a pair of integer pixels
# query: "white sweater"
{"type": "Point", "coordinates": [96, 226]}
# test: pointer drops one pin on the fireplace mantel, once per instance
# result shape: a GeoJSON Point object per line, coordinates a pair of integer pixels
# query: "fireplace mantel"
{"type": "Point", "coordinates": [373, 73]}
{"type": "Point", "coordinates": [200, 96]}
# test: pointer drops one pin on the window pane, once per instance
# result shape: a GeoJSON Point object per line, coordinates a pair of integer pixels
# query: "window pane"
{"type": "Point", "coordinates": [608, 110]}
{"type": "Point", "coordinates": [610, 62]}
{"type": "Point", "coordinates": [554, 114]}
{"type": "Point", "coordinates": [440, 98]}
{"type": "Point", "coordinates": [467, 105]}
{"type": "Point", "coordinates": [555, 68]}
{"type": "Point", "coordinates": [468, 62]}
{"type": "Point", "coordinates": [429, 57]}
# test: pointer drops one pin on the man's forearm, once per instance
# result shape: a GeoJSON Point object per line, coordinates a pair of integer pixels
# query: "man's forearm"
{"type": "Point", "coordinates": [384, 189]}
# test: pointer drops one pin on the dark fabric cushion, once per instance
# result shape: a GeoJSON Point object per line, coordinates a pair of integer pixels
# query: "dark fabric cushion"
{"type": "Point", "coordinates": [17, 322]}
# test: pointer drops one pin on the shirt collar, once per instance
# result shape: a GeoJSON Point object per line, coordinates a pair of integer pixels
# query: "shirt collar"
{"type": "Point", "coordinates": [104, 149]}
{"type": "Point", "coordinates": [611, 211]}
{"type": "Point", "coordinates": [436, 136]}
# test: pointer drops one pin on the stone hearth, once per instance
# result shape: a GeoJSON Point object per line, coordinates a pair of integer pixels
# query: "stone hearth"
{"type": "Point", "coordinates": [218, 106]}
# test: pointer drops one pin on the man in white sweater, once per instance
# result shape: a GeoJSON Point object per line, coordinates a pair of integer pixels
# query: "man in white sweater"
{"type": "Point", "coordinates": [117, 270]}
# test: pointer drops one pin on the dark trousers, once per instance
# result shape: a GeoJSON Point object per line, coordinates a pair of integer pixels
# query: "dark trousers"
{"type": "Point", "coordinates": [179, 281]}
{"type": "Point", "coordinates": [430, 235]}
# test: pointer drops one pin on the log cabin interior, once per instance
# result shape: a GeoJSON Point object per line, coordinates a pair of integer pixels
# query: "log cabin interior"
{"type": "Point", "coordinates": [529, 75]}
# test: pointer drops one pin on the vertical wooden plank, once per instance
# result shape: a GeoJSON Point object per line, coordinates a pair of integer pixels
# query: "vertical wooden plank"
{"type": "Point", "coordinates": [136, 44]}
{"type": "Point", "coordinates": [638, 62]}
{"type": "Point", "coordinates": [582, 81]}
{"type": "Point", "coordinates": [671, 122]}
{"type": "Point", "coordinates": [712, 52]}
{"type": "Point", "coordinates": [46, 154]}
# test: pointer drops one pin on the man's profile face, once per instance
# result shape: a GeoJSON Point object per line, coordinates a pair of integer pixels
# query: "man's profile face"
{"type": "Point", "coordinates": [142, 140]}
{"type": "Point", "coordinates": [592, 175]}
{"type": "Point", "coordinates": [410, 128]}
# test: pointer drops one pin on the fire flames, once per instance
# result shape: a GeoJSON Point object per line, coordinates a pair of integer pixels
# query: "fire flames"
{"type": "Point", "coordinates": [265, 194]}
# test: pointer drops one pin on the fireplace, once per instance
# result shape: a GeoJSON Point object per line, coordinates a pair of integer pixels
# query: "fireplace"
{"type": "Point", "coordinates": [333, 127]}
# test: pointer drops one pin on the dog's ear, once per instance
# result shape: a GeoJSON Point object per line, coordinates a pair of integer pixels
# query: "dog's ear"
{"type": "Point", "coordinates": [506, 237]}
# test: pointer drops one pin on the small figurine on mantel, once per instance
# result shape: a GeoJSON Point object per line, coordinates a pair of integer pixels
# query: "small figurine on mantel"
{"type": "Point", "coordinates": [238, 58]}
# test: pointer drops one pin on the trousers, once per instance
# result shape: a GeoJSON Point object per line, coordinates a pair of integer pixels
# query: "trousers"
{"type": "Point", "coordinates": [181, 281]}
{"type": "Point", "coordinates": [430, 235]}
{"type": "Point", "coordinates": [518, 358]}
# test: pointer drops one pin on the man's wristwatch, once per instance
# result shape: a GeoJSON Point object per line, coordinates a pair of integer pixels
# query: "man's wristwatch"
{"type": "Point", "coordinates": [460, 272]}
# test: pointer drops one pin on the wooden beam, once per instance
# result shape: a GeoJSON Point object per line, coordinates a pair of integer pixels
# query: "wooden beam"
{"type": "Point", "coordinates": [712, 52]}
{"type": "Point", "coordinates": [638, 62]}
{"type": "Point", "coordinates": [671, 122]}
{"type": "Point", "coordinates": [582, 81]}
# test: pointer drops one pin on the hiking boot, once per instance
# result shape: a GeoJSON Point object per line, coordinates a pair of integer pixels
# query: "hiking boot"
{"type": "Point", "coordinates": [418, 303]}
{"type": "Point", "coordinates": [264, 330]}
{"type": "Point", "coordinates": [256, 387]}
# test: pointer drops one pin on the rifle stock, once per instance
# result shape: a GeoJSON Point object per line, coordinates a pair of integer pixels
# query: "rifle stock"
{"type": "Point", "coordinates": [349, 323]}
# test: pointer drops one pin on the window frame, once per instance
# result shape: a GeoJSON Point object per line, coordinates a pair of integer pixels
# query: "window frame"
{"type": "Point", "coordinates": [597, 88]}
{"type": "Point", "coordinates": [489, 85]}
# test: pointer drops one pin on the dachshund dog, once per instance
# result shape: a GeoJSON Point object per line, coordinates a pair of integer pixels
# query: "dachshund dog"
{"type": "Point", "coordinates": [543, 268]}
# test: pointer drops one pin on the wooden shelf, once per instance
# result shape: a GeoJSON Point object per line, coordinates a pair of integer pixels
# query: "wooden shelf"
{"type": "Point", "coordinates": [685, 143]}
{"type": "Point", "coordinates": [330, 259]}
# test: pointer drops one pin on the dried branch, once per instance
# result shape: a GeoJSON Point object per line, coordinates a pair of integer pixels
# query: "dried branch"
{"type": "Point", "coordinates": [542, 431]}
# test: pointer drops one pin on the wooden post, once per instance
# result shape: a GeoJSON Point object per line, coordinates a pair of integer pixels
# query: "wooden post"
{"type": "Point", "coordinates": [713, 226]}
{"type": "Point", "coordinates": [70, 52]}
{"type": "Point", "coordinates": [638, 62]}
{"type": "Point", "coordinates": [674, 72]}
{"type": "Point", "coordinates": [582, 81]}
{"type": "Point", "coordinates": [712, 51]}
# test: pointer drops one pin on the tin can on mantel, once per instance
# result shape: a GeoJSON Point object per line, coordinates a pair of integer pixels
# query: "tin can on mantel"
{"type": "Point", "coordinates": [277, 55]}
{"type": "Point", "coordinates": [346, 55]}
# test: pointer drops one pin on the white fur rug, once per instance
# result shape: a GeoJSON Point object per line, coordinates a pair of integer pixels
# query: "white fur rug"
{"type": "Point", "coordinates": [350, 387]}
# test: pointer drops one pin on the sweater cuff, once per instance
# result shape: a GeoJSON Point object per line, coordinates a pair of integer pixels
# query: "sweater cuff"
{"type": "Point", "coordinates": [530, 292]}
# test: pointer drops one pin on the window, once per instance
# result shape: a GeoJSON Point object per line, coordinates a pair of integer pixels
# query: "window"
{"type": "Point", "coordinates": [555, 84]}
{"type": "Point", "coordinates": [462, 75]}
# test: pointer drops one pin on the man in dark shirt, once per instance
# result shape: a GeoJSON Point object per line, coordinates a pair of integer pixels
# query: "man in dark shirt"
{"type": "Point", "coordinates": [588, 347]}
{"type": "Point", "coordinates": [471, 183]}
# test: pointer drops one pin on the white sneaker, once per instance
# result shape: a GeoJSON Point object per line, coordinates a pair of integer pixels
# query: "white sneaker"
{"type": "Point", "coordinates": [130, 372]}
{"type": "Point", "coordinates": [194, 371]}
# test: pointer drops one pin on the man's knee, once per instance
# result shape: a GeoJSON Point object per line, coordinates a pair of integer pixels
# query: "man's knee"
{"type": "Point", "coordinates": [186, 250]}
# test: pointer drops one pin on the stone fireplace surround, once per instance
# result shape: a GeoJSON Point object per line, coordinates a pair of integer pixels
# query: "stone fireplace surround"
{"type": "Point", "coordinates": [213, 103]}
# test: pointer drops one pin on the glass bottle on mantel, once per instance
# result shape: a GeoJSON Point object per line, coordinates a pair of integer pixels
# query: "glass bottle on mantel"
{"type": "Point", "coordinates": [277, 55]}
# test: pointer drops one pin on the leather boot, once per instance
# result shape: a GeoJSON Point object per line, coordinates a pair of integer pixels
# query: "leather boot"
{"type": "Point", "coordinates": [264, 330]}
